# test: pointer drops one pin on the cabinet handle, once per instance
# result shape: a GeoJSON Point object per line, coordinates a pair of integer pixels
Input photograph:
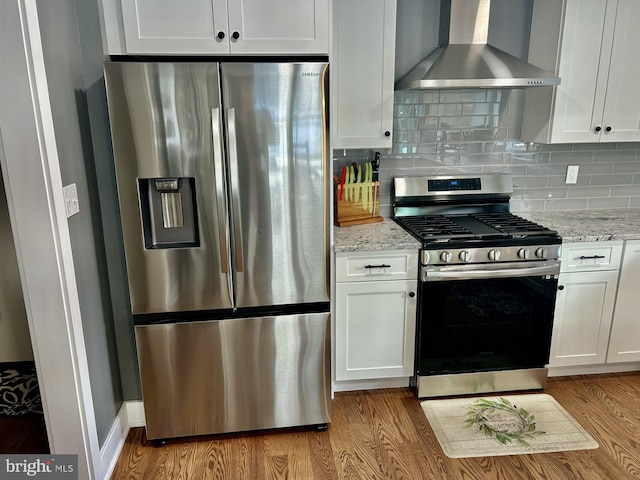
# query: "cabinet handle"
{"type": "Point", "coordinates": [235, 35]}
{"type": "Point", "coordinates": [560, 287]}
{"type": "Point", "coordinates": [220, 34]}
{"type": "Point", "coordinates": [608, 129]}
{"type": "Point", "coordinates": [384, 265]}
{"type": "Point", "coordinates": [387, 133]}
{"type": "Point", "coordinates": [598, 128]}
{"type": "Point", "coordinates": [412, 294]}
{"type": "Point", "coordinates": [591, 257]}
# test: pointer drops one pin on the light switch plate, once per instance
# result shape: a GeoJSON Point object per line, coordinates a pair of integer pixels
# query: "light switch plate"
{"type": "Point", "coordinates": [71, 199]}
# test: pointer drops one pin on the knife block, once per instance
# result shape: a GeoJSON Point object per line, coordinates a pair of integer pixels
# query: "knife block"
{"type": "Point", "coordinates": [353, 212]}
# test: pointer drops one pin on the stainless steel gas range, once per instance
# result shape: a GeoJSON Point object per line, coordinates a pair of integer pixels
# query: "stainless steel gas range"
{"type": "Point", "coordinates": [487, 285]}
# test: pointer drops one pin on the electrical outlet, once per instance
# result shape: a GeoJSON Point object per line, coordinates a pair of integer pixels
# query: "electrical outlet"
{"type": "Point", "coordinates": [572, 174]}
{"type": "Point", "coordinates": [71, 203]}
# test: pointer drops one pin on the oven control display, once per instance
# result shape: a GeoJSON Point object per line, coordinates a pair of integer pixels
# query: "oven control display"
{"type": "Point", "coordinates": [451, 184]}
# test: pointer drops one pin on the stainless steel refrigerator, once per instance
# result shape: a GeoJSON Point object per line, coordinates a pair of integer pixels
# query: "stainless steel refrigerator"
{"type": "Point", "coordinates": [223, 187]}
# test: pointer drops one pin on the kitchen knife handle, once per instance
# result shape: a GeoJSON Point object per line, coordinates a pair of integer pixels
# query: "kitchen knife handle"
{"type": "Point", "coordinates": [235, 188]}
{"type": "Point", "coordinates": [221, 202]}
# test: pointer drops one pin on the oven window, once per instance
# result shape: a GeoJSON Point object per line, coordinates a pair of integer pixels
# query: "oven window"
{"type": "Point", "coordinates": [469, 326]}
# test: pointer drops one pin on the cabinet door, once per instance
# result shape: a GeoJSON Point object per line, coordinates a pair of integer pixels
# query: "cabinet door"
{"type": "Point", "coordinates": [583, 69]}
{"type": "Point", "coordinates": [279, 26]}
{"type": "Point", "coordinates": [375, 329]}
{"type": "Point", "coordinates": [584, 308]}
{"type": "Point", "coordinates": [624, 344]}
{"type": "Point", "coordinates": [175, 26]}
{"type": "Point", "coordinates": [363, 73]}
{"type": "Point", "coordinates": [622, 105]}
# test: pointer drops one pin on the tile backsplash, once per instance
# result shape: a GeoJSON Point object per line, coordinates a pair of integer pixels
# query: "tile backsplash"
{"type": "Point", "coordinates": [444, 132]}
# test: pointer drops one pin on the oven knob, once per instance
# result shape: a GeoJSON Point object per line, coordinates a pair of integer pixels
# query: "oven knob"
{"type": "Point", "coordinates": [446, 257]}
{"type": "Point", "coordinates": [541, 252]}
{"type": "Point", "coordinates": [464, 256]}
{"type": "Point", "coordinates": [523, 253]}
{"type": "Point", "coordinates": [494, 255]}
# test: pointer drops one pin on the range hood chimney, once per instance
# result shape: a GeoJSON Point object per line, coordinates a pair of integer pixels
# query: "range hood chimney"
{"type": "Point", "coordinates": [466, 60]}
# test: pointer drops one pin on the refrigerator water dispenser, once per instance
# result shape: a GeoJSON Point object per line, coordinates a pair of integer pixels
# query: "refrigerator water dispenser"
{"type": "Point", "coordinates": [168, 209]}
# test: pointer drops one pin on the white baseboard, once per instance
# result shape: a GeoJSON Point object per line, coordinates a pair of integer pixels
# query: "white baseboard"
{"type": "Point", "coordinates": [112, 446]}
{"type": "Point", "coordinates": [135, 413]}
{"type": "Point", "coordinates": [593, 369]}
{"type": "Point", "coordinates": [346, 386]}
{"type": "Point", "coordinates": [131, 414]}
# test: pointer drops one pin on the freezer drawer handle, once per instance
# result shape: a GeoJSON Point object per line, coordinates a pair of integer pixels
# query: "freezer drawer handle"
{"type": "Point", "coordinates": [384, 265]}
{"type": "Point", "coordinates": [591, 257]}
{"type": "Point", "coordinates": [220, 196]}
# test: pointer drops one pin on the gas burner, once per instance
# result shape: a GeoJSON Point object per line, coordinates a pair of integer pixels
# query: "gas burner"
{"type": "Point", "coordinates": [467, 218]}
{"type": "Point", "coordinates": [513, 225]}
{"type": "Point", "coordinates": [483, 226]}
{"type": "Point", "coordinates": [435, 227]}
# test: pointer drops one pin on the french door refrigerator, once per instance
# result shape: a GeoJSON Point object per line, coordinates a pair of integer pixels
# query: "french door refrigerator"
{"type": "Point", "coordinates": [223, 187]}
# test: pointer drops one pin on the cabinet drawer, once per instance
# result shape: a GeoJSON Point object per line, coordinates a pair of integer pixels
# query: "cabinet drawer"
{"type": "Point", "coordinates": [591, 256]}
{"type": "Point", "coordinates": [367, 266]}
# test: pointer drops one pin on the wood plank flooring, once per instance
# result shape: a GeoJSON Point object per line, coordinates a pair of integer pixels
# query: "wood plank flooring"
{"type": "Point", "coordinates": [23, 434]}
{"type": "Point", "coordinates": [383, 434]}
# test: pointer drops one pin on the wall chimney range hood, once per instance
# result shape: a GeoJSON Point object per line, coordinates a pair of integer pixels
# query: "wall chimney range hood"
{"type": "Point", "coordinates": [466, 60]}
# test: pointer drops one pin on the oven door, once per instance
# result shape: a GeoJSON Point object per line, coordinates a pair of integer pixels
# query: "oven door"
{"type": "Point", "coordinates": [485, 318]}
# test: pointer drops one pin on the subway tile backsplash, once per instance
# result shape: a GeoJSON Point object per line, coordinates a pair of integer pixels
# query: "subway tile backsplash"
{"type": "Point", "coordinates": [443, 132]}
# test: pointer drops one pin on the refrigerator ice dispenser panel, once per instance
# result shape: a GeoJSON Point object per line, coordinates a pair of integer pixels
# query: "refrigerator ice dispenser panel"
{"type": "Point", "coordinates": [168, 210]}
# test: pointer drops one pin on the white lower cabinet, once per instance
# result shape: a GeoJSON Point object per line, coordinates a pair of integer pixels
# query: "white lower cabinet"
{"type": "Point", "coordinates": [624, 344]}
{"type": "Point", "coordinates": [584, 309]}
{"type": "Point", "coordinates": [585, 303]}
{"type": "Point", "coordinates": [375, 315]}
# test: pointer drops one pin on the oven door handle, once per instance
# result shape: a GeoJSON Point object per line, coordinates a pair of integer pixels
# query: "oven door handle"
{"type": "Point", "coordinates": [472, 272]}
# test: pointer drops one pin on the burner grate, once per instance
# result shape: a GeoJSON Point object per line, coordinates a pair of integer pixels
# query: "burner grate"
{"type": "Point", "coordinates": [435, 226]}
{"type": "Point", "coordinates": [512, 224]}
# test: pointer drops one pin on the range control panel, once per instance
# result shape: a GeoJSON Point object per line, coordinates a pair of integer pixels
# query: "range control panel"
{"type": "Point", "coordinates": [453, 184]}
{"type": "Point", "coordinates": [490, 254]}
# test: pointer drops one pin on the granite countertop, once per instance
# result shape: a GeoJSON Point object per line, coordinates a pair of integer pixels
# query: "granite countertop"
{"type": "Point", "coordinates": [590, 225]}
{"type": "Point", "coordinates": [385, 235]}
{"type": "Point", "coordinates": [571, 225]}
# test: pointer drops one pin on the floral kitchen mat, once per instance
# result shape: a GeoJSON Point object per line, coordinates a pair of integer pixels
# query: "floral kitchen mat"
{"type": "Point", "coordinates": [19, 392]}
{"type": "Point", "coordinates": [504, 425]}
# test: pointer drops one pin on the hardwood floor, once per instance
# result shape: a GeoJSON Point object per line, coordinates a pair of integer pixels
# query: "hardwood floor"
{"type": "Point", "coordinates": [26, 434]}
{"type": "Point", "coordinates": [383, 434]}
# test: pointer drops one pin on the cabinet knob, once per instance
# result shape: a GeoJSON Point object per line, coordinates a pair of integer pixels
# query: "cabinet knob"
{"type": "Point", "coordinates": [220, 34]}
{"type": "Point", "coordinates": [387, 133]}
{"type": "Point", "coordinates": [597, 129]}
{"type": "Point", "coordinates": [560, 287]}
{"type": "Point", "coordinates": [608, 129]}
{"type": "Point", "coordinates": [235, 35]}
{"type": "Point", "coordinates": [412, 294]}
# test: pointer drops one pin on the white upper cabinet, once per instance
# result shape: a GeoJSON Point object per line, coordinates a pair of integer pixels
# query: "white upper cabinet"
{"type": "Point", "coordinates": [163, 26]}
{"type": "Point", "coordinates": [592, 45]}
{"type": "Point", "coordinates": [217, 27]}
{"type": "Point", "coordinates": [363, 73]}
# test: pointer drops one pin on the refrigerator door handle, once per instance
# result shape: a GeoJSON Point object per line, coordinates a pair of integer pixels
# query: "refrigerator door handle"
{"type": "Point", "coordinates": [235, 184]}
{"type": "Point", "coordinates": [220, 197]}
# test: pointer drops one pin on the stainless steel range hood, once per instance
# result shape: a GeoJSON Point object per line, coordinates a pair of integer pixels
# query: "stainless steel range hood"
{"type": "Point", "coordinates": [466, 60]}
